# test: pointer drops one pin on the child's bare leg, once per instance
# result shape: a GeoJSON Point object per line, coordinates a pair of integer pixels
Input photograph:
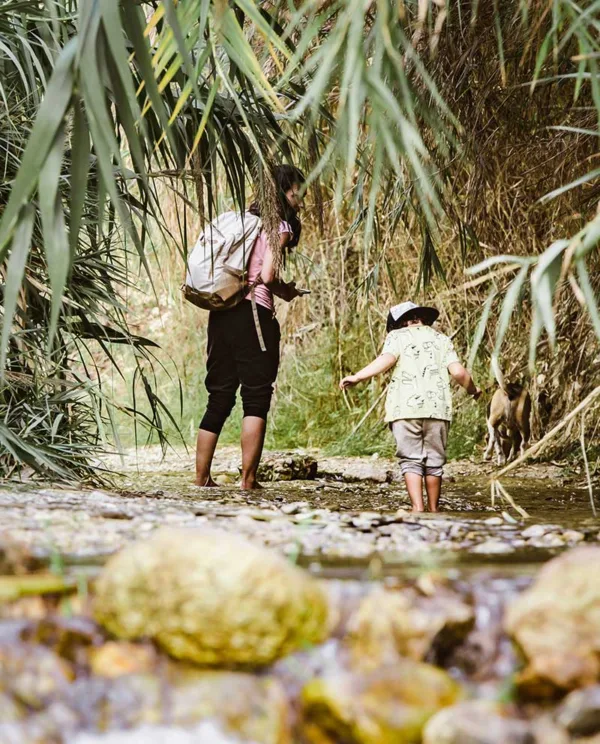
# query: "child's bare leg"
{"type": "Point", "coordinates": [414, 486]}
{"type": "Point", "coordinates": [433, 486]}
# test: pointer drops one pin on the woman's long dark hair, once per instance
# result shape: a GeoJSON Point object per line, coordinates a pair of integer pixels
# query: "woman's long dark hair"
{"type": "Point", "coordinates": [285, 176]}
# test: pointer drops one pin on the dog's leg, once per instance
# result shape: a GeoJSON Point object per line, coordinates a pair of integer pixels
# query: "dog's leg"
{"type": "Point", "coordinates": [524, 442]}
{"type": "Point", "coordinates": [525, 434]}
{"type": "Point", "coordinates": [500, 456]}
{"type": "Point", "coordinates": [487, 455]}
{"type": "Point", "coordinates": [513, 448]}
{"type": "Point", "coordinates": [524, 421]}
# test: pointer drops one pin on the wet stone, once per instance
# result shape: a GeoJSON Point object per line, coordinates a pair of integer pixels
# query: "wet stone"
{"type": "Point", "coordinates": [492, 521]}
{"type": "Point", "coordinates": [294, 507]}
{"type": "Point", "coordinates": [555, 623]}
{"type": "Point", "coordinates": [476, 722]}
{"type": "Point", "coordinates": [538, 530]}
{"type": "Point", "coordinates": [493, 547]}
{"type": "Point", "coordinates": [204, 733]}
{"type": "Point", "coordinates": [579, 713]}
{"type": "Point", "coordinates": [390, 704]}
{"type": "Point", "coordinates": [33, 674]}
{"type": "Point", "coordinates": [573, 536]}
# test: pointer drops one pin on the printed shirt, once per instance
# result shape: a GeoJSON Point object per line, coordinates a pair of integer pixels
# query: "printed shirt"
{"type": "Point", "coordinates": [420, 384]}
{"type": "Point", "coordinates": [262, 294]}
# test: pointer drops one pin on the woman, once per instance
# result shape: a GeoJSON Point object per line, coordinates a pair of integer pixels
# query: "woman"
{"type": "Point", "coordinates": [235, 358]}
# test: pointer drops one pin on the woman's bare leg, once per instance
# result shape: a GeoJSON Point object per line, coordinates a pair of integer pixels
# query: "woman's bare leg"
{"type": "Point", "coordinates": [253, 439]}
{"type": "Point", "coordinates": [206, 444]}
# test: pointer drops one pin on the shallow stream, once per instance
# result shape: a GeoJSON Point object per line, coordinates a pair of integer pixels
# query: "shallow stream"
{"type": "Point", "coordinates": [349, 527]}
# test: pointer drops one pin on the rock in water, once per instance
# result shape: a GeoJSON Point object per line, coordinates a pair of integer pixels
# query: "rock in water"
{"type": "Point", "coordinates": [32, 674]}
{"type": "Point", "coordinates": [477, 722]}
{"type": "Point", "coordinates": [205, 733]}
{"type": "Point", "coordinates": [287, 467]}
{"type": "Point", "coordinates": [249, 706]}
{"type": "Point", "coordinates": [387, 706]}
{"type": "Point", "coordinates": [406, 622]}
{"type": "Point", "coordinates": [579, 713]}
{"type": "Point", "coordinates": [211, 598]}
{"type": "Point", "coordinates": [556, 623]}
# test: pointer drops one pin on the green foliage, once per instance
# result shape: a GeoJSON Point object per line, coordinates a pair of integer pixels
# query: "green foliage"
{"type": "Point", "coordinates": [407, 117]}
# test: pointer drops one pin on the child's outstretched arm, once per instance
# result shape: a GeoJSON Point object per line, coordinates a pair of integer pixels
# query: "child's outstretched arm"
{"type": "Point", "coordinates": [377, 367]}
{"type": "Point", "coordinates": [463, 377]}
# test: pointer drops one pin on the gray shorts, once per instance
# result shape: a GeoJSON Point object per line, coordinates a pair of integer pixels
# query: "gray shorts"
{"type": "Point", "coordinates": [421, 445]}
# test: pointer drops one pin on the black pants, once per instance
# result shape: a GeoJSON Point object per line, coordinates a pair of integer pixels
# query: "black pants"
{"type": "Point", "coordinates": [235, 359]}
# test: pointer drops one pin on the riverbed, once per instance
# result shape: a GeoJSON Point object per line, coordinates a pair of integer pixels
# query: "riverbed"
{"type": "Point", "coordinates": [351, 514]}
{"type": "Point", "coordinates": [346, 520]}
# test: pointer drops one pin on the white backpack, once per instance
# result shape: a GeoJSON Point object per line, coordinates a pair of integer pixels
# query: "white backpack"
{"type": "Point", "coordinates": [217, 268]}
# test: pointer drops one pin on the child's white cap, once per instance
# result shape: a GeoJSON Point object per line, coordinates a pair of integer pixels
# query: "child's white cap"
{"type": "Point", "coordinates": [427, 314]}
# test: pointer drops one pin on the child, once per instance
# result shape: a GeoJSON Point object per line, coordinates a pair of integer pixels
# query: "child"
{"type": "Point", "coordinates": [419, 402]}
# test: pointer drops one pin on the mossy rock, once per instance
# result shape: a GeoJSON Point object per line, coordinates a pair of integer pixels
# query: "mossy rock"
{"type": "Point", "coordinates": [211, 598]}
{"type": "Point", "coordinates": [556, 624]}
{"type": "Point", "coordinates": [387, 706]}
{"type": "Point", "coordinates": [406, 622]}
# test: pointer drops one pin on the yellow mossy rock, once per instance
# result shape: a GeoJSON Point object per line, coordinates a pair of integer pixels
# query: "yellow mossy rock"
{"type": "Point", "coordinates": [387, 706]}
{"type": "Point", "coordinates": [405, 621]}
{"type": "Point", "coordinates": [211, 598]}
{"type": "Point", "coordinates": [556, 624]}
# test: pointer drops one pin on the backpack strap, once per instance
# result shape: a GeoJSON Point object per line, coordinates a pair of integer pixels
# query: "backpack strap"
{"type": "Point", "coordinates": [259, 332]}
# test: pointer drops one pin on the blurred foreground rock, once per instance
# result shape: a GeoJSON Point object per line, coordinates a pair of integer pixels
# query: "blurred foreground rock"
{"type": "Point", "coordinates": [33, 675]}
{"type": "Point", "coordinates": [210, 597]}
{"type": "Point", "coordinates": [205, 733]}
{"type": "Point", "coordinates": [476, 722]}
{"type": "Point", "coordinates": [579, 713]}
{"type": "Point", "coordinates": [556, 624]}
{"type": "Point", "coordinates": [391, 704]}
{"type": "Point", "coordinates": [407, 622]}
{"type": "Point", "coordinates": [253, 708]}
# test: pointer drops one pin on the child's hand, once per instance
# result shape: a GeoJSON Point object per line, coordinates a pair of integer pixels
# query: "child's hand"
{"type": "Point", "coordinates": [349, 381]}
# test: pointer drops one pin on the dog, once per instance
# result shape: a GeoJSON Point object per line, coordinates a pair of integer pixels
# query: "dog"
{"type": "Point", "coordinates": [508, 422]}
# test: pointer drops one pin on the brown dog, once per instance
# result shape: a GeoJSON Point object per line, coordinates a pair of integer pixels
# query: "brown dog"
{"type": "Point", "coordinates": [508, 422]}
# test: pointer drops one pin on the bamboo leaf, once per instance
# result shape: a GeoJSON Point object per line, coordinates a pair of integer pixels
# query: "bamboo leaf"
{"type": "Point", "coordinates": [15, 270]}
{"type": "Point", "coordinates": [591, 300]}
{"type": "Point", "coordinates": [573, 185]}
{"type": "Point", "coordinates": [47, 123]}
{"type": "Point", "coordinates": [80, 165]}
{"type": "Point", "coordinates": [56, 244]}
{"type": "Point", "coordinates": [134, 25]}
{"type": "Point", "coordinates": [543, 284]}
{"type": "Point", "coordinates": [481, 326]}
{"type": "Point", "coordinates": [511, 301]}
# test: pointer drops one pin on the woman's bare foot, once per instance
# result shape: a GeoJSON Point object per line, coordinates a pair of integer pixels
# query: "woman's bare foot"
{"type": "Point", "coordinates": [205, 482]}
{"type": "Point", "coordinates": [250, 485]}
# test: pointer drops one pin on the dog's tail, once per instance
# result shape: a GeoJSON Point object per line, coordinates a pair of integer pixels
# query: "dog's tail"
{"type": "Point", "coordinates": [498, 373]}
